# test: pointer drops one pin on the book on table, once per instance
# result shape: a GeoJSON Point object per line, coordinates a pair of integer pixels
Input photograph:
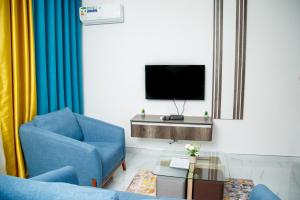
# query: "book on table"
{"type": "Point", "coordinates": [182, 163]}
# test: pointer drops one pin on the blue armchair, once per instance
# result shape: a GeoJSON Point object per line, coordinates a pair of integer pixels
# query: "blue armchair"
{"type": "Point", "coordinates": [94, 148]}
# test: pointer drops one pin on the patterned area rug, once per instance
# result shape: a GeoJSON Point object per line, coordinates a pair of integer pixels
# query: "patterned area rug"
{"type": "Point", "coordinates": [237, 189]}
{"type": "Point", "coordinates": [144, 182]}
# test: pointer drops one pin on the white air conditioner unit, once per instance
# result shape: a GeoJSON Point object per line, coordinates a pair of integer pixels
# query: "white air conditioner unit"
{"type": "Point", "coordinates": [109, 13]}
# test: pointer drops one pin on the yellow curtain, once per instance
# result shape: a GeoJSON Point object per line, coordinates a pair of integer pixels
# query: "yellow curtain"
{"type": "Point", "coordinates": [17, 78]}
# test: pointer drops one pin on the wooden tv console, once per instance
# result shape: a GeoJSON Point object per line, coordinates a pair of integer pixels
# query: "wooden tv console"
{"type": "Point", "coordinates": [191, 128]}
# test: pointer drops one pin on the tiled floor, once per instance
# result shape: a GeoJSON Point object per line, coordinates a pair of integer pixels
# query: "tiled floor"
{"type": "Point", "coordinates": [136, 159]}
{"type": "Point", "coordinates": [280, 174]}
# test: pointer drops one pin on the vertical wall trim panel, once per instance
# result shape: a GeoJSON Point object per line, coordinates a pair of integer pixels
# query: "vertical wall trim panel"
{"type": "Point", "coordinates": [217, 58]}
{"type": "Point", "coordinates": [240, 57]}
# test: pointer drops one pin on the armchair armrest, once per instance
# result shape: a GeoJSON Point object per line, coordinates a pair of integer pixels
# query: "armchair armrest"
{"type": "Point", "coordinates": [65, 174]}
{"type": "Point", "coordinates": [99, 131]}
{"type": "Point", "coordinates": [45, 150]}
{"type": "Point", "coordinates": [262, 192]}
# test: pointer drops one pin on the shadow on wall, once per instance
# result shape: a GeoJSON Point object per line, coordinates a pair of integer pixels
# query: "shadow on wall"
{"type": "Point", "coordinates": [2, 158]}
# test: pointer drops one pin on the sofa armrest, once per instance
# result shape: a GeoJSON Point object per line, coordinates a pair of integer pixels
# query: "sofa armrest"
{"type": "Point", "coordinates": [99, 131]}
{"type": "Point", "coordinates": [262, 192]}
{"type": "Point", "coordinates": [13, 188]}
{"type": "Point", "coordinates": [65, 174]}
{"type": "Point", "coordinates": [45, 150]}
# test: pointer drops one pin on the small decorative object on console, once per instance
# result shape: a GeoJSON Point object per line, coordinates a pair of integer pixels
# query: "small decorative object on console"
{"type": "Point", "coordinates": [193, 152]}
{"type": "Point", "coordinates": [143, 113]}
{"type": "Point", "coordinates": [206, 115]}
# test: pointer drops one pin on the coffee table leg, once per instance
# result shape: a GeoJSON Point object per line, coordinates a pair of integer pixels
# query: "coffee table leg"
{"type": "Point", "coordinates": [190, 181]}
{"type": "Point", "coordinates": [190, 189]}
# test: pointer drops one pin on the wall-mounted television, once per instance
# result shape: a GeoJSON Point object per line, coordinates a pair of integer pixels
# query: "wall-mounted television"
{"type": "Point", "coordinates": [176, 82]}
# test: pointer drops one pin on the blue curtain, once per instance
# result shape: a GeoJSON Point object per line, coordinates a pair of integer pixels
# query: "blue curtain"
{"type": "Point", "coordinates": [58, 46]}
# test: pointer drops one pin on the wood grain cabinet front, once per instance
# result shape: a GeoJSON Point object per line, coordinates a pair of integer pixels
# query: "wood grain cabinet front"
{"type": "Point", "coordinates": [172, 131]}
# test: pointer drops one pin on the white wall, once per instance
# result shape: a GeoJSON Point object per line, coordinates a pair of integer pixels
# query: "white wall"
{"type": "Point", "coordinates": [272, 88]}
{"type": "Point", "coordinates": [228, 59]}
{"type": "Point", "coordinates": [180, 32]}
{"type": "Point", "coordinates": [154, 32]}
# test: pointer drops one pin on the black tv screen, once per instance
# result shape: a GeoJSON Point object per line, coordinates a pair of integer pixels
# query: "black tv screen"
{"type": "Point", "coordinates": [178, 82]}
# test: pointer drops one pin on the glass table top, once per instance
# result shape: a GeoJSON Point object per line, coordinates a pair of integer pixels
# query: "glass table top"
{"type": "Point", "coordinates": [209, 166]}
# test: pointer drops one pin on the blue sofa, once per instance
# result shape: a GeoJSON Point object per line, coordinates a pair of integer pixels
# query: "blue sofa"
{"type": "Point", "coordinates": [43, 187]}
{"type": "Point", "coordinates": [94, 148]}
{"type": "Point", "coordinates": [58, 184]}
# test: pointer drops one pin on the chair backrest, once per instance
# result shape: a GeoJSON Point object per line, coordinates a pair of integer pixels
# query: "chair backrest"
{"type": "Point", "coordinates": [62, 122]}
{"type": "Point", "coordinates": [262, 192]}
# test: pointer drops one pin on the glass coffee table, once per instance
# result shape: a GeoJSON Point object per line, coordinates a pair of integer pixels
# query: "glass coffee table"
{"type": "Point", "coordinates": [202, 180]}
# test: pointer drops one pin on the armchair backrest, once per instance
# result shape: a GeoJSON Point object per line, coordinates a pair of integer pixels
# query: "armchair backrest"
{"type": "Point", "coordinates": [62, 122]}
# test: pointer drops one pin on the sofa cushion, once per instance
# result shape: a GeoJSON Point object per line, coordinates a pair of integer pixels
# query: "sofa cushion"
{"type": "Point", "coordinates": [111, 155]}
{"type": "Point", "coordinates": [13, 188]}
{"type": "Point", "coordinates": [62, 122]}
